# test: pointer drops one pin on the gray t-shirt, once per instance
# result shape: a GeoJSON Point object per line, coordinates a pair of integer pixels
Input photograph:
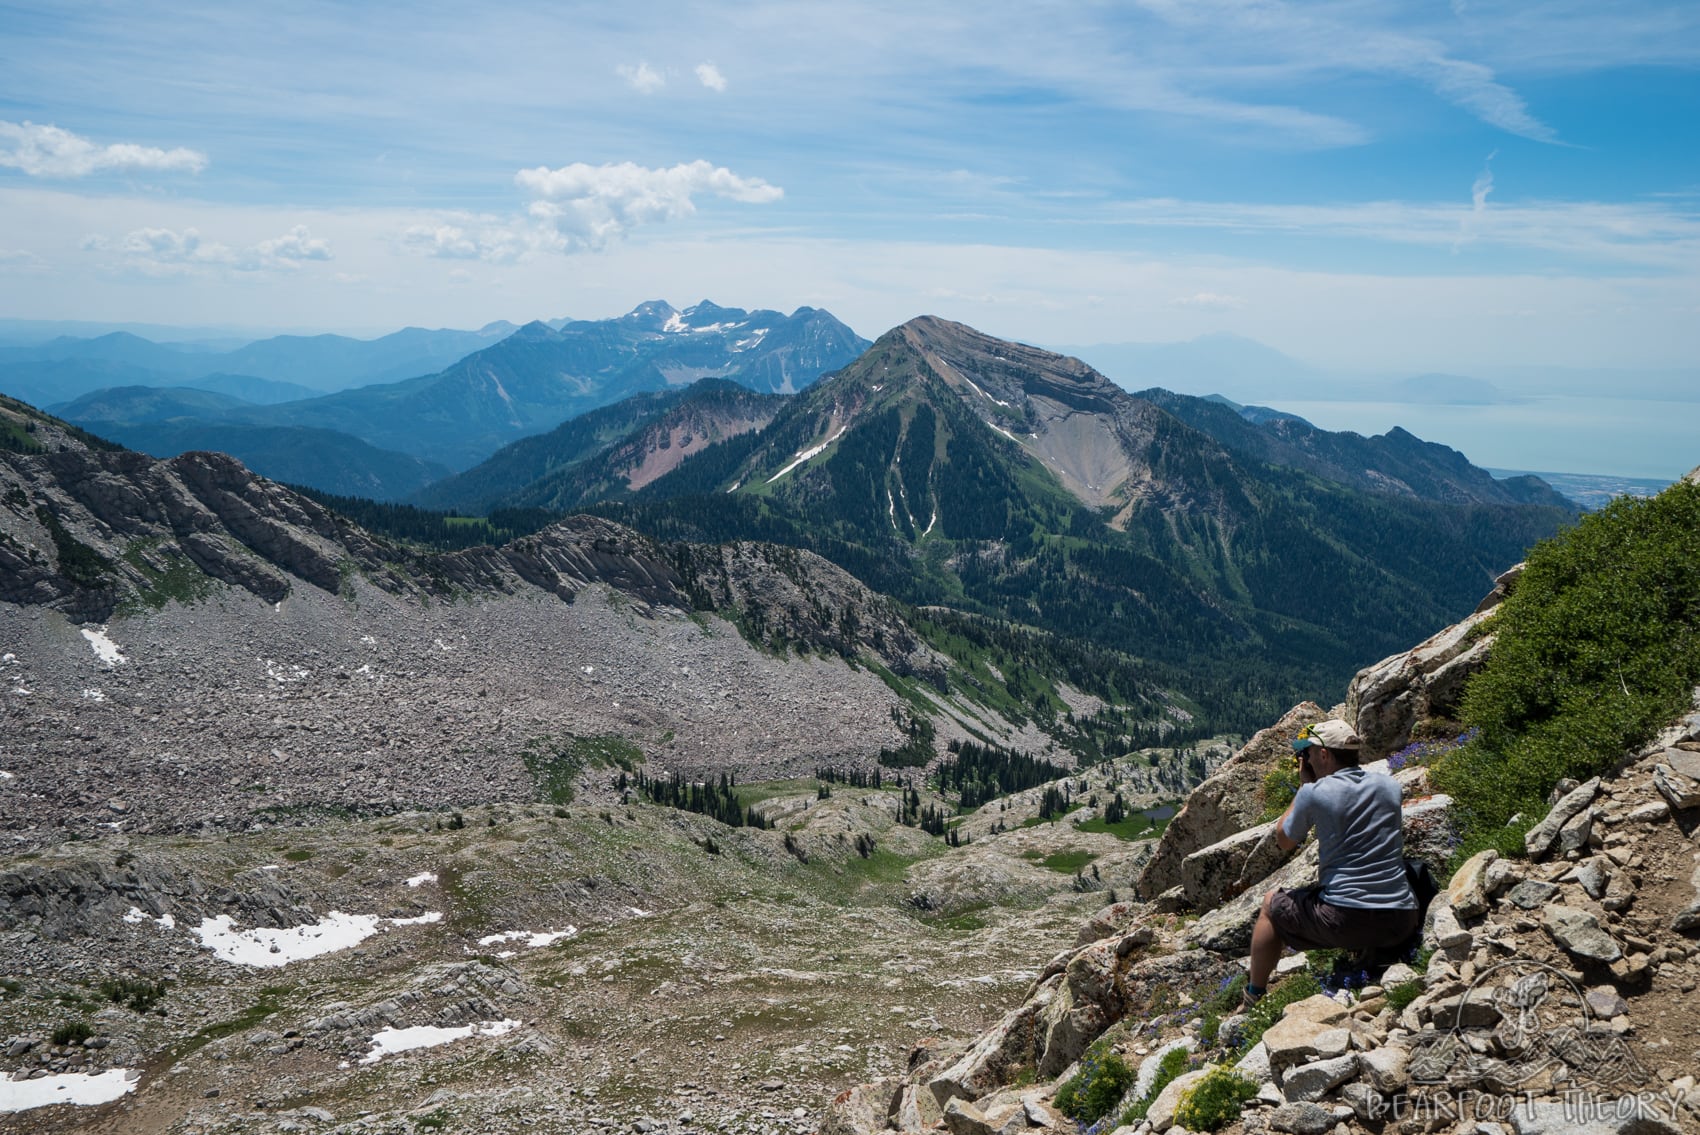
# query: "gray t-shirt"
{"type": "Point", "coordinates": [1360, 832]}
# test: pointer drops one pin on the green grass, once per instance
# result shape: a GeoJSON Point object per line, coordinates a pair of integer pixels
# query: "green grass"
{"type": "Point", "coordinates": [1067, 862]}
{"type": "Point", "coordinates": [1134, 827]}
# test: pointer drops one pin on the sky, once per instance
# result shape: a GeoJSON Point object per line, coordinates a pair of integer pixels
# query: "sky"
{"type": "Point", "coordinates": [1368, 187]}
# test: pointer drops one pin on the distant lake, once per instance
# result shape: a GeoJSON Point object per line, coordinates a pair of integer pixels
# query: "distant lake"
{"type": "Point", "coordinates": [1615, 436]}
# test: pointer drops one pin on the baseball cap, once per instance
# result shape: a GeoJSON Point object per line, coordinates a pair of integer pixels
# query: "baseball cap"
{"type": "Point", "coordinates": [1328, 734]}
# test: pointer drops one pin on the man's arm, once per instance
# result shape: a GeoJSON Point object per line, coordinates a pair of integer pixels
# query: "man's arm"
{"type": "Point", "coordinates": [1282, 840]}
{"type": "Point", "coordinates": [1307, 776]}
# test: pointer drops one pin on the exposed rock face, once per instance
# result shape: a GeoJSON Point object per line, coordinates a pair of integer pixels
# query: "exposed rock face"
{"type": "Point", "coordinates": [1388, 702]}
{"type": "Point", "coordinates": [1226, 804]}
{"type": "Point", "coordinates": [86, 531]}
{"type": "Point", "coordinates": [66, 903]}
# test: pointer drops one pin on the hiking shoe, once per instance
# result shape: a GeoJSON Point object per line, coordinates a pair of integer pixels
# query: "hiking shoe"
{"type": "Point", "coordinates": [1249, 1000]}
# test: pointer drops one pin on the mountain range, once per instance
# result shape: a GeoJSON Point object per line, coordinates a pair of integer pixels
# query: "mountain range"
{"type": "Point", "coordinates": [390, 439]}
{"type": "Point", "coordinates": [950, 468]}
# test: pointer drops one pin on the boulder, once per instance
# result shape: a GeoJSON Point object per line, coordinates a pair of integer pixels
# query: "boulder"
{"type": "Point", "coordinates": [964, 1118]}
{"type": "Point", "coordinates": [1107, 923]}
{"type": "Point", "coordinates": [1574, 835]}
{"type": "Point", "coordinates": [1088, 1002]}
{"type": "Point", "coordinates": [1162, 1112]}
{"type": "Point", "coordinates": [999, 1050]}
{"type": "Point", "coordinates": [1227, 929]}
{"type": "Point", "coordinates": [1386, 702]}
{"type": "Point", "coordinates": [1531, 894]}
{"type": "Point", "coordinates": [1580, 935]}
{"type": "Point", "coordinates": [1254, 1065]}
{"type": "Point", "coordinates": [1469, 889]}
{"type": "Point", "coordinates": [1591, 1115]}
{"type": "Point", "coordinates": [1594, 877]}
{"type": "Point", "coordinates": [1299, 1038]}
{"type": "Point", "coordinates": [1677, 777]}
{"type": "Point", "coordinates": [1540, 838]}
{"type": "Point", "coordinates": [861, 1110]}
{"type": "Point", "coordinates": [1229, 866]}
{"type": "Point", "coordinates": [1228, 802]}
{"type": "Point", "coordinates": [1302, 1119]}
{"type": "Point", "coordinates": [1310, 1082]}
{"type": "Point", "coordinates": [1384, 1068]}
{"type": "Point", "coordinates": [1688, 918]}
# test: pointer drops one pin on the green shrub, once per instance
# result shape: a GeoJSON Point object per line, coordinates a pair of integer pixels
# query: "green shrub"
{"type": "Point", "coordinates": [1280, 785]}
{"type": "Point", "coordinates": [72, 1032]}
{"type": "Point", "coordinates": [139, 993]}
{"type": "Point", "coordinates": [1215, 1100]}
{"type": "Point", "coordinates": [1401, 995]}
{"type": "Point", "coordinates": [1169, 1069]}
{"type": "Point", "coordinates": [1597, 647]}
{"type": "Point", "coordinates": [1103, 1079]}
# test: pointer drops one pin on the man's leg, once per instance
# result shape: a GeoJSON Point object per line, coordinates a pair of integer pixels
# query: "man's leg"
{"type": "Point", "coordinates": [1265, 947]}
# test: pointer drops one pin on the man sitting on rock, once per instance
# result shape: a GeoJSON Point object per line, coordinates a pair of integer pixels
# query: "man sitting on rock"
{"type": "Point", "coordinates": [1364, 901]}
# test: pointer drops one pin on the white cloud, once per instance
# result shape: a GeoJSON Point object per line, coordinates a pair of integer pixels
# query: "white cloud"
{"type": "Point", "coordinates": [643, 78]}
{"type": "Point", "coordinates": [464, 237]}
{"type": "Point", "coordinates": [1479, 190]}
{"type": "Point", "coordinates": [48, 151]}
{"type": "Point", "coordinates": [589, 206]}
{"type": "Point", "coordinates": [1210, 301]}
{"type": "Point", "coordinates": [296, 244]}
{"type": "Point", "coordinates": [159, 251]}
{"type": "Point", "coordinates": [709, 76]}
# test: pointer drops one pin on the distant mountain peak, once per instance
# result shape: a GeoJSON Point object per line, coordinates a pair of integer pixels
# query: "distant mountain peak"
{"type": "Point", "coordinates": [651, 314]}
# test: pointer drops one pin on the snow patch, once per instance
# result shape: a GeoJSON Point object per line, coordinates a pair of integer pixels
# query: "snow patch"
{"type": "Point", "coordinates": [266, 947]}
{"type": "Point", "coordinates": [421, 879]}
{"type": "Point", "coordinates": [368, 640]}
{"type": "Point", "coordinates": [4, 775]}
{"type": "Point", "coordinates": [104, 648]}
{"type": "Point", "coordinates": [8, 657]}
{"type": "Point", "coordinates": [386, 1042]}
{"type": "Point", "coordinates": [135, 915]}
{"type": "Point", "coordinates": [83, 1089]}
{"type": "Point", "coordinates": [983, 394]}
{"type": "Point", "coordinates": [811, 452]}
{"type": "Point", "coordinates": [1005, 433]}
{"type": "Point", "coordinates": [533, 939]}
{"type": "Point", "coordinates": [94, 695]}
{"type": "Point", "coordinates": [639, 913]}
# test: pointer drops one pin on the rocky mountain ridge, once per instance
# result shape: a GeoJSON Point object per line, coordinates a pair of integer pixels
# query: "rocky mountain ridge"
{"type": "Point", "coordinates": [1558, 993]}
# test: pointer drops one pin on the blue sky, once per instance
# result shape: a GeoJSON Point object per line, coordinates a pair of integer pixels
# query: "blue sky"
{"type": "Point", "coordinates": [1370, 187]}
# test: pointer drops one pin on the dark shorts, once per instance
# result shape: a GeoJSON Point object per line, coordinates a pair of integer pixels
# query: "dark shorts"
{"type": "Point", "coordinates": [1305, 922]}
